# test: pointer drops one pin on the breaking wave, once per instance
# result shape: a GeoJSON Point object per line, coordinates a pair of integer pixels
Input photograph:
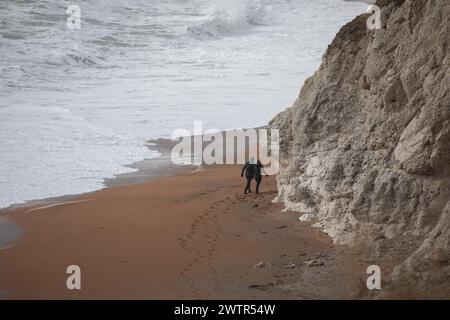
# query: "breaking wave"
{"type": "Point", "coordinates": [232, 17]}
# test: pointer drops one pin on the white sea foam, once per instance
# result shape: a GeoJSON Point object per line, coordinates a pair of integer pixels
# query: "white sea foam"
{"type": "Point", "coordinates": [78, 106]}
{"type": "Point", "coordinates": [233, 17]}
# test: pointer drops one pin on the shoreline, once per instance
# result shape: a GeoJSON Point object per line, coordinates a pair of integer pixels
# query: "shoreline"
{"type": "Point", "coordinates": [146, 170]}
{"type": "Point", "coordinates": [191, 236]}
{"type": "Point", "coordinates": [175, 234]}
{"type": "Point", "coordinates": [174, 228]}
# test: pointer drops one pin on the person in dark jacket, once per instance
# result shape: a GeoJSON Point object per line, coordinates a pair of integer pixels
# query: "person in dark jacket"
{"type": "Point", "coordinates": [257, 174]}
{"type": "Point", "coordinates": [249, 174]}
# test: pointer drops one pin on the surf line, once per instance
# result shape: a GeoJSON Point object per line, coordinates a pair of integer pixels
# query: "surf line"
{"type": "Point", "coordinates": [57, 205]}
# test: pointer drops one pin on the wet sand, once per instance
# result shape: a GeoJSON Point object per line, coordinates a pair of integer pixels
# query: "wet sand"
{"type": "Point", "coordinates": [191, 236]}
{"type": "Point", "coordinates": [9, 232]}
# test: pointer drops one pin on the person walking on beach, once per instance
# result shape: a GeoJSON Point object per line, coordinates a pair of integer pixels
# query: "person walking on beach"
{"type": "Point", "coordinates": [248, 169]}
{"type": "Point", "coordinates": [257, 174]}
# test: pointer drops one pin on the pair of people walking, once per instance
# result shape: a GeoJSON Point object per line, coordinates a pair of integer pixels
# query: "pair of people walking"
{"type": "Point", "coordinates": [252, 171]}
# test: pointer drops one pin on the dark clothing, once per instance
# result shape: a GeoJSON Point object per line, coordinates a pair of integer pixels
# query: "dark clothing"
{"type": "Point", "coordinates": [257, 170]}
{"type": "Point", "coordinates": [258, 182]}
{"type": "Point", "coordinates": [257, 175]}
{"type": "Point", "coordinates": [249, 170]}
{"type": "Point", "coordinates": [252, 171]}
{"type": "Point", "coordinates": [247, 186]}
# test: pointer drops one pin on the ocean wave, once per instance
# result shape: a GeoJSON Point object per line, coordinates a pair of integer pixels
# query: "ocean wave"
{"type": "Point", "coordinates": [232, 17]}
{"type": "Point", "coordinates": [77, 106]}
{"type": "Point", "coordinates": [72, 58]}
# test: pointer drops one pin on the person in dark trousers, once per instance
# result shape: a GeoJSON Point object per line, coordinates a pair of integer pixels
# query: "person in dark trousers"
{"type": "Point", "coordinates": [257, 174]}
{"type": "Point", "coordinates": [248, 170]}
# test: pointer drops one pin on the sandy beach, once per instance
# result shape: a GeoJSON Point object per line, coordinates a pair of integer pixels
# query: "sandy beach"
{"type": "Point", "coordinates": [346, 107]}
{"type": "Point", "coordinates": [190, 236]}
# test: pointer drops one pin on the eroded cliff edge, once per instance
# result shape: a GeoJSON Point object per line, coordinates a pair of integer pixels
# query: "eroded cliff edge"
{"type": "Point", "coordinates": [366, 146]}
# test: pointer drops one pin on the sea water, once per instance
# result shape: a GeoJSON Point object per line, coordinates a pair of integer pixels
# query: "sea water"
{"type": "Point", "coordinates": [78, 105]}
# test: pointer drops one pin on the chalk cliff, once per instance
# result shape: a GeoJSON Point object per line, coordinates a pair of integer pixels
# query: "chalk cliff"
{"type": "Point", "coordinates": [366, 146]}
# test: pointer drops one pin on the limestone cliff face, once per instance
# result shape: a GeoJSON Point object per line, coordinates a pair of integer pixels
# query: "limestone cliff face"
{"type": "Point", "coordinates": [366, 146]}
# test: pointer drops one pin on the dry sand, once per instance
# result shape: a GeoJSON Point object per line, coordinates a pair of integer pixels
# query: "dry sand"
{"type": "Point", "coordinates": [191, 236]}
